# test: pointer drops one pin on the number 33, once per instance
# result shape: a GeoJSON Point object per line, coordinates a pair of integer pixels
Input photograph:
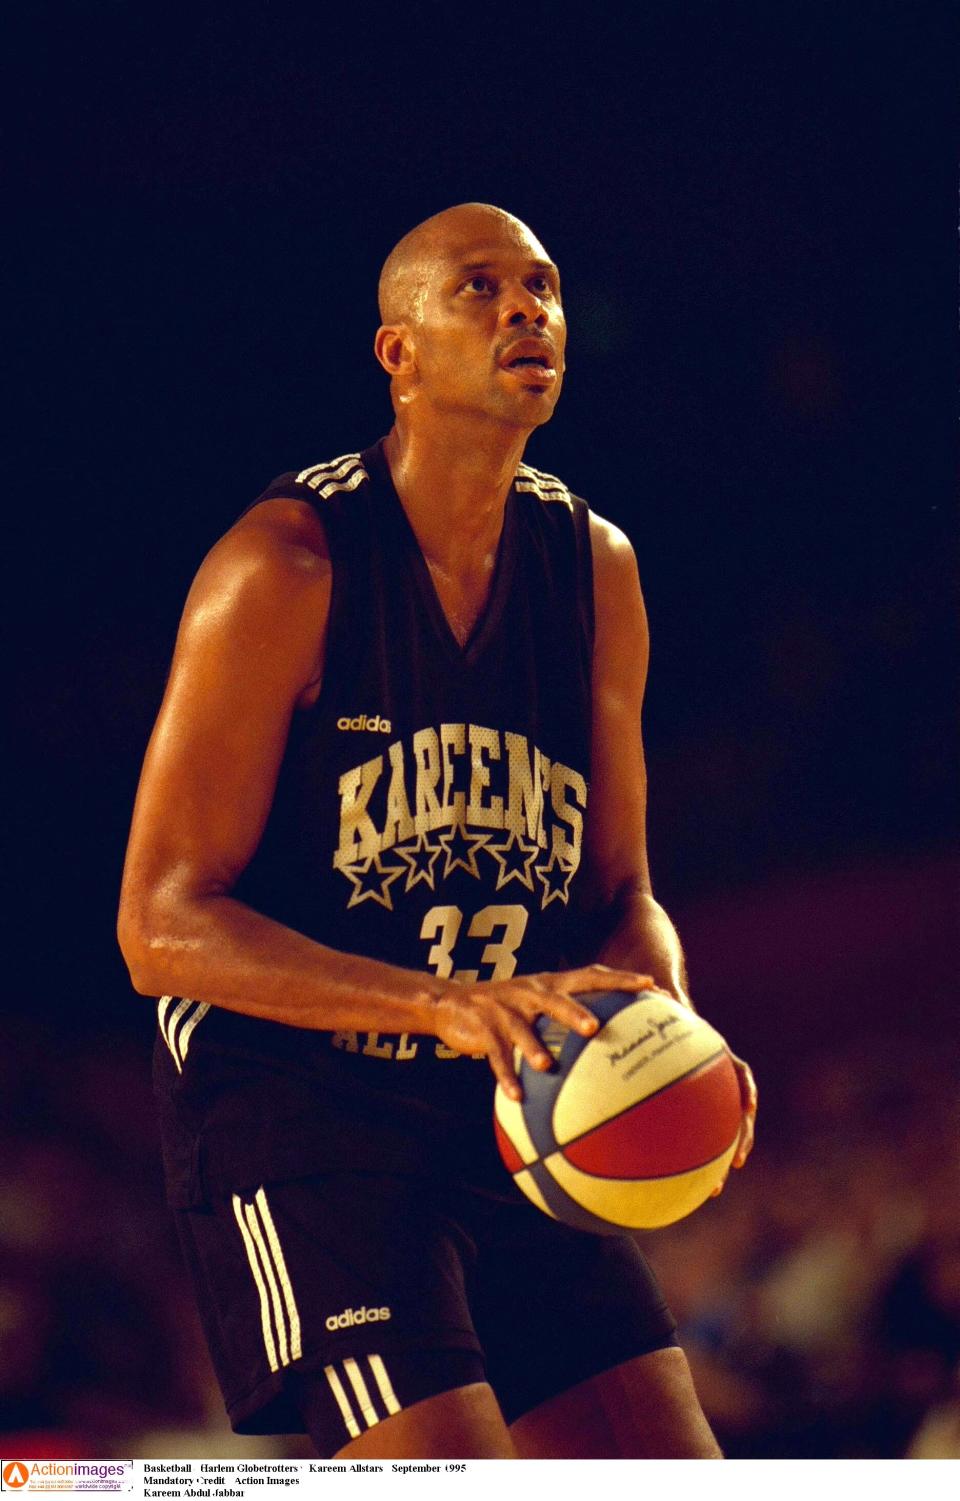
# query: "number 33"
{"type": "Point", "coordinates": [444, 924]}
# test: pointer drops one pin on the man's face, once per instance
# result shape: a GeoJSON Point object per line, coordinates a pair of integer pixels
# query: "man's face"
{"type": "Point", "coordinates": [491, 335]}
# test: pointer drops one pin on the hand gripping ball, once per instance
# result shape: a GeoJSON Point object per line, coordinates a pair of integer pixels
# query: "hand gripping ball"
{"type": "Point", "coordinates": [634, 1127]}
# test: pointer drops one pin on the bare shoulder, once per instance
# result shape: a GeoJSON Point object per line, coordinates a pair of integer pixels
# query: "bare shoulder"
{"type": "Point", "coordinates": [260, 601]}
{"type": "Point", "coordinates": [615, 576]}
{"type": "Point", "coordinates": [277, 551]}
{"type": "Point", "coordinates": [285, 535]}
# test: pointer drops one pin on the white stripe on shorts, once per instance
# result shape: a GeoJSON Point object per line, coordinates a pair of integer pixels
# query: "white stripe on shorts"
{"type": "Point", "coordinates": [179, 1043]}
{"type": "Point", "coordinates": [283, 1276]}
{"type": "Point", "coordinates": [168, 1022]}
{"type": "Point", "coordinates": [274, 1289]}
{"type": "Point", "coordinates": [183, 1041]}
{"type": "Point", "coordinates": [383, 1382]}
{"type": "Point", "coordinates": [346, 1411]}
{"type": "Point", "coordinates": [370, 1414]}
{"type": "Point", "coordinates": [251, 1251]}
{"type": "Point", "coordinates": [253, 1226]}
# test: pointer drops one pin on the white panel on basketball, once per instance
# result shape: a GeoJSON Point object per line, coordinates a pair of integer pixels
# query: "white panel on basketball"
{"type": "Point", "coordinates": [645, 1047]}
{"type": "Point", "coordinates": [644, 1204]}
{"type": "Point", "coordinates": [510, 1115]}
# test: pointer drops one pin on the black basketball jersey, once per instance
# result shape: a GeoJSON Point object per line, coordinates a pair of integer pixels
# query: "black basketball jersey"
{"type": "Point", "coordinates": [430, 812]}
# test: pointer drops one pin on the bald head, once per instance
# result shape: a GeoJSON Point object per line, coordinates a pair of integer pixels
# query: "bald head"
{"type": "Point", "coordinates": [407, 270]}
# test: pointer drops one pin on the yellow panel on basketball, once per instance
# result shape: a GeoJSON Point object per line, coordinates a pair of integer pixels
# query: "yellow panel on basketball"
{"type": "Point", "coordinates": [526, 1183]}
{"type": "Point", "coordinates": [643, 1048]}
{"type": "Point", "coordinates": [640, 1204]}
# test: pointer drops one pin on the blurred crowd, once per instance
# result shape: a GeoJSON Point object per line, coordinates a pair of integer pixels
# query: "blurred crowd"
{"type": "Point", "coordinates": [100, 1349]}
{"type": "Point", "coordinates": [818, 1297]}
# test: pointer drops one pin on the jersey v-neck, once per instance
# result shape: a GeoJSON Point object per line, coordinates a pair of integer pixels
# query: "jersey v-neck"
{"type": "Point", "coordinates": [488, 622]}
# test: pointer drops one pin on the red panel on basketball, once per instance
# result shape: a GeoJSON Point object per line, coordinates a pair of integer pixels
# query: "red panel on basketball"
{"type": "Point", "coordinates": [508, 1151]}
{"type": "Point", "coordinates": [683, 1126]}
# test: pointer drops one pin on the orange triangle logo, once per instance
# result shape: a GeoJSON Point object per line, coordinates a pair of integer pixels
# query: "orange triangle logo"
{"type": "Point", "coordinates": [15, 1474]}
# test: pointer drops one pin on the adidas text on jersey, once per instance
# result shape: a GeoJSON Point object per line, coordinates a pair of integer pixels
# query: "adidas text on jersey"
{"type": "Point", "coordinates": [364, 722]}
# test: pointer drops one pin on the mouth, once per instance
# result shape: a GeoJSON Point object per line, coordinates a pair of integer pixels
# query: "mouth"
{"type": "Point", "coordinates": [534, 367]}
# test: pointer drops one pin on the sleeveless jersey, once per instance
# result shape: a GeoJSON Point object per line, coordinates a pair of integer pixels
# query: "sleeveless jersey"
{"type": "Point", "coordinates": [429, 811]}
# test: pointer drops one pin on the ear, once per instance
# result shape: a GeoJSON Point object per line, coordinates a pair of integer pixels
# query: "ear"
{"type": "Point", "coordinates": [393, 347]}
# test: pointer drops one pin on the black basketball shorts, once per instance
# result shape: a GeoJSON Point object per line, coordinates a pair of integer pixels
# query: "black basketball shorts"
{"type": "Point", "coordinates": [362, 1294]}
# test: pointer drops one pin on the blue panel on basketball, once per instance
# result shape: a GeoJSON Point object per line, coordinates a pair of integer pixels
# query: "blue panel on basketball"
{"type": "Point", "coordinates": [539, 1089]}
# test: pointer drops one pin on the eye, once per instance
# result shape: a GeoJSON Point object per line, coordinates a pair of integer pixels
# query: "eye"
{"type": "Point", "coordinates": [540, 283]}
{"type": "Point", "coordinates": [478, 284]}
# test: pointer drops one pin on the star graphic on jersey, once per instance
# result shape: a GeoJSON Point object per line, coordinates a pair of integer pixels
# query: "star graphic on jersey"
{"type": "Point", "coordinates": [371, 881]}
{"type": "Point", "coordinates": [421, 857]}
{"type": "Point", "coordinates": [555, 876]}
{"type": "Point", "coordinates": [514, 858]}
{"type": "Point", "coordinates": [461, 849]}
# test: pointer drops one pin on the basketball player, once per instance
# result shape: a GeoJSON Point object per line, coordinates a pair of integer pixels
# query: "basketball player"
{"type": "Point", "coordinates": [391, 812]}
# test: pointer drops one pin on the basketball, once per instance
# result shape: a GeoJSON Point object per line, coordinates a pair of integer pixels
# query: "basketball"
{"type": "Point", "coordinates": [634, 1127]}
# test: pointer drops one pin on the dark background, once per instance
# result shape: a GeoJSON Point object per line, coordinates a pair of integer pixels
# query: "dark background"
{"type": "Point", "coordinates": [747, 204]}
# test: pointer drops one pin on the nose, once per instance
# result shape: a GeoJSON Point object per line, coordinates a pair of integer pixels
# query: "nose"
{"type": "Point", "coordinates": [521, 306]}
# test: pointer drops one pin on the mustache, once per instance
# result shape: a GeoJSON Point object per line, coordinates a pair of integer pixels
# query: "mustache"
{"type": "Point", "coordinates": [546, 344]}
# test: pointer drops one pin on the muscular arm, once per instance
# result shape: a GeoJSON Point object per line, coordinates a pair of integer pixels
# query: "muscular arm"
{"type": "Point", "coordinates": [638, 934]}
{"type": "Point", "coordinates": [637, 931]}
{"type": "Point", "coordinates": [249, 652]}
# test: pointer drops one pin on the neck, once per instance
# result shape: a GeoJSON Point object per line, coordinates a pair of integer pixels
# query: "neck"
{"type": "Point", "coordinates": [454, 486]}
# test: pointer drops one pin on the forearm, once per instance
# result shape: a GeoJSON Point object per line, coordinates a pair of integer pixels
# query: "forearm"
{"type": "Point", "coordinates": [643, 938]}
{"type": "Point", "coordinates": [216, 949]}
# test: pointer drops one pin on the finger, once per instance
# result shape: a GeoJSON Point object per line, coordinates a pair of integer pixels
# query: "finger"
{"type": "Point", "coordinates": [570, 1013]}
{"type": "Point", "coordinates": [540, 995]}
{"type": "Point", "coordinates": [745, 1144]}
{"type": "Point", "coordinates": [531, 1046]}
{"type": "Point", "coordinates": [571, 986]}
{"type": "Point", "coordinates": [602, 977]}
{"type": "Point", "coordinates": [748, 1097]}
{"type": "Point", "coordinates": [500, 1059]}
{"type": "Point", "coordinates": [748, 1085]}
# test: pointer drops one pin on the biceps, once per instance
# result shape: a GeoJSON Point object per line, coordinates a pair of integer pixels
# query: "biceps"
{"type": "Point", "coordinates": [616, 843]}
{"type": "Point", "coordinates": [209, 776]}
